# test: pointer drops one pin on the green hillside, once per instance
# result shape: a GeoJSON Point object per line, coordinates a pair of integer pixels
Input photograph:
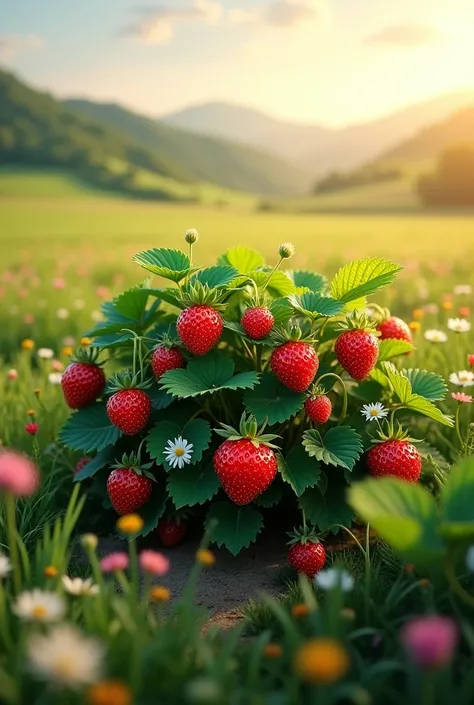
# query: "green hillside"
{"type": "Point", "coordinates": [200, 158]}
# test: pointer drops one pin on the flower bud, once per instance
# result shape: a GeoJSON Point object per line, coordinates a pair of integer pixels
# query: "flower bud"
{"type": "Point", "coordinates": [89, 541]}
{"type": "Point", "coordinates": [191, 236]}
{"type": "Point", "coordinates": [286, 250]}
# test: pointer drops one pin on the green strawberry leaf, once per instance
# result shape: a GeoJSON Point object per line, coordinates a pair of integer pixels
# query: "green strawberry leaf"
{"type": "Point", "coordinates": [281, 310]}
{"type": "Point", "coordinates": [192, 485]}
{"type": "Point", "coordinates": [153, 510]}
{"type": "Point", "coordinates": [272, 400]}
{"type": "Point", "coordinates": [314, 305]}
{"type": "Point", "coordinates": [362, 278]}
{"type": "Point", "coordinates": [270, 497]}
{"type": "Point", "coordinates": [244, 259]}
{"type": "Point", "coordinates": [159, 398]}
{"type": "Point", "coordinates": [340, 445]}
{"type": "Point", "coordinates": [166, 263]}
{"type": "Point", "coordinates": [158, 437]}
{"type": "Point", "coordinates": [456, 502]}
{"type": "Point", "coordinates": [399, 383]}
{"type": "Point", "coordinates": [89, 430]}
{"type": "Point", "coordinates": [427, 408]}
{"type": "Point", "coordinates": [102, 459]}
{"type": "Point", "coordinates": [326, 510]}
{"type": "Point", "coordinates": [299, 470]}
{"type": "Point", "coordinates": [391, 347]}
{"type": "Point", "coordinates": [198, 432]}
{"type": "Point", "coordinates": [132, 303]}
{"type": "Point", "coordinates": [236, 527]}
{"type": "Point", "coordinates": [206, 375]}
{"type": "Point", "coordinates": [280, 283]}
{"type": "Point", "coordinates": [114, 340]}
{"type": "Point", "coordinates": [216, 276]}
{"type": "Point", "coordinates": [427, 384]}
{"type": "Point", "coordinates": [308, 280]}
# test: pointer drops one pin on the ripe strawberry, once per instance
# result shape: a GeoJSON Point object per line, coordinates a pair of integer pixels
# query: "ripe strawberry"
{"type": "Point", "coordinates": [200, 328]}
{"type": "Point", "coordinates": [128, 490]}
{"type": "Point", "coordinates": [318, 408]}
{"type": "Point", "coordinates": [129, 410]}
{"type": "Point", "coordinates": [257, 322]}
{"type": "Point", "coordinates": [357, 351]}
{"type": "Point", "coordinates": [306, 554]}
{"type": "Point", "coordinates": [295, 363]}
{"type": "Point", "coordinates": [83, 380]}
{"type": "Point", "coordinates": [82, 462]}
{"type": "Point", "coordinates": [395, 328]}
{"type": "Point", "coordinates": [165, 358]}
{"type": "Point", "coordinates": [171, 530]}
{"type": "Point", "coordinates": [396, 457]}
{"type": "Point", "coordinates": [245, 463]}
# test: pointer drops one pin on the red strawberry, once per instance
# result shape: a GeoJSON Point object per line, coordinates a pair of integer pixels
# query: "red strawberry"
{"type": "Point", "coordinates": [357, 351]}
{"type": "Point", "coordinates": [318, 408]}
{"type": "Point", "coordinates": [83, 381]}
{"type": "Point", "coordinates": [200, 328]}
{"type": "Point", "coordinates": [128, 490]}
{"type": "Point", "coordinates": [245, 463]}
{"type": "Point", "coordinates": [129, 410]}
{"type": "Point", "coordinates": [257, 322]}
{"type": "Point", "coordinates": [82, 462]}
{"type": "Point", "coordinates": [395, 457]}
{"type": "Point", "coordinates": [165, 359]}
{"type": "Point", "coordinates": [171, 530]}
{"type": "Point", "coordinates": [395, 328]}
{"type": "Point", "coordinates": [307, 556]}
{"type": "Point", "coordinates": [295, 364]}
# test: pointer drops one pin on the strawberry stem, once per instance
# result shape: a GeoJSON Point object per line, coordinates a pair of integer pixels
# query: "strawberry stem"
{"type": "Point", "coordinates": [272, 273]}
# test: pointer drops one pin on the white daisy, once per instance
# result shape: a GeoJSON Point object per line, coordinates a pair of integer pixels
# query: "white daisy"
{"type": "Point", "coordinates": [5, 566]}
{"type": "Point", "coordinates": [77, 586]}
{"type": "Point", "coordinates": [459, 325]}
{"type": "Point", "coordinates": [45, 353]}
{"type": "Point", "coordinates": [435, 336]}
{"type": "Point", "coordinates": [178, 452]}
{"type": "Point", "coordinates": [65, 657]}
{"type": "Point", "coordinates": [333, 578]}
{"type": "Point", "coordinates": [62, 313]}
{"type": "Point", "coordinates": [55, 377]}
{"type": "Point", "coordinates": [461, 289]}
{"type": "Point", "coordinates": [374, 411]}
{"type": "Point", "coordinates": [39, 606]}
{"type": "Point", "coordinates": [463, 378]}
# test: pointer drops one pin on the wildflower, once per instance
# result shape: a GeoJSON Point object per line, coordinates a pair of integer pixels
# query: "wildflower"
{"type": "Point", "coordinates": [272, 650]}
{"type": "Point", "coordinates": [430, 641]}
{"type": "Point", "coordinates": [130, 524]}
{"type": "Point", "coordinates": [45, 353]}
{"type": "Point", "coordinates": [418, 313]}
{"type": "Point", "coordinates": [178, 453]}
{"type": "Point", "coordinates": [103, 292]}
{"type": "Point", "coordinates": [65, 657]}
{"type": "Point", "coordinates": [62, 313]}
{"type": "Point", "coordinates": [205, 557]}
{"type": "Point", "coordinates": [159, 593]}
{"type": "Point", "coordinates": [18, 474]}
{"type": "Point", "coordinates": [77, 586]}
{"type": "Point", "coordinates": [459, 325]}
{"type": "Point", "coordinates": [5, 566]}
{"type": "Point", "coordinates": [470, 359]}
{"type": "Point", "coordinates": [191, 236]}
{"type": "Point", "coordinates": [59, 283]}
{"type": "Point", "coordinates": [153, 562]}
{"type": "Point", "coordinates": [435, 336]}
{"type": "Point", "coordinates": [89, 541]}
{"type": "Point", "coordinates": [67, 351]}
{"type": "Point", "coordinates": [461, 397]}
{"type": "Point", "coordinates": [469, 559]}
{"type": "Point", "coordinates": [114, 561]}
{"type": "Point", "coordinates": [463, 289]}
{"type": "Point", "coordinates": [463, 378]}
{"type": "Point", "coordinates": [86, 341]}
{"type": "Point", "coordinates": [321, 660]}
{"type": "Point", "coordinates": [32, 428]}
{"type": "Point", "coordinates": [447, 305]}
{"type": "Point", "coordinates": [332, 578]}
{"type": "Point", "coordinates": [374, 411]}
{"type": "Point", "coordinates": [110, 692]}
{"type": "Point", "coordinates": [12, 374]}
{"type": "Point", "coordinates": [27, 344]}
{"type": "Point", "coordinates": [29, 319]}
{"type": "Point", "coordinates": [57, 366]}
{"type": "Point", "coordinates": [300, 610]}
{"type": "Point", "coordinates": [414, 326]}
{"type": "Point", "coordinates": [431, 308]}
{"type": "Point", "coordinates": [37, 391]}
{"type": "Point", "coordinates": [69, 340]}
{"type": "Point", "coordinates": [464, 311]}
{"type": "Point", "coordinates": [286, 250]}
{"type": "Point", "coordinates": [55, 377]}
{"type": "Point", "coordinates": [50, 571]}
{"type": "Point", "coordinates": [39, 606]}
{"type": "Point", "coordinates": [31, 412]}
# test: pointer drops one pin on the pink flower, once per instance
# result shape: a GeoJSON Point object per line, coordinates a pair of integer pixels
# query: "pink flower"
{"type": "Point", "coordinates": [59, 283]}
{"type": "Point", "coordinates": [470, 359]}
{"type": "Point", "coordinates": [12, 374]}
{"type": "Point", "coordinates": [430, 641]}
{"type": "Point", "coordinates": [22, 293]}
{"type": "Point", "coordinates": [29, 318]}
{"type": "Point", "coordinates": [103, 292]}
{"type": "Point", "coordinates": [18, 474]}
{"type": "Point", "coordinates": [154, 562]}
{"type": "Point", "coordinates": [114, 561]}
{"type": "Point", "coordinates": [31, 428]}
{"type": "Point", "coordinates": [57, 366]}
{"type": "Point", "coordinates": [460, 396]}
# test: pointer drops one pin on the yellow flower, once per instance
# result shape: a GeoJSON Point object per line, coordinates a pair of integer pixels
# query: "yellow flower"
{"type": "Point", "coordinates": [160, 593]}
{"type": "Point", "coordinates": [321, 660]}
{"type": "Point", "coordinates": [418, 313]}
{"type": "Point", "coordinates": [300, 610]}
{"type": "Point", "coordinates": [447, 305]}
{"type": "Point", "coordinates": [414, 325]}
{"type": "Point", "coordinates": [112, 692]}
{"type": "Point", "coordinates": [67, 351]}
{"type": "Point", "coordinates": [130, 524]}
{"type": "Point", "coordinates": [272, 650]}
{"type": "Point", "coordinates": [50, 571]}
{"type": "Point", "coordinates": [205, 557]}
{"type": "Point", "coordinates": [31, 412]}
{"type": "Point", "coordinates": [89, 541]}
{"type": "Point", "coordinates": [27, 344]}
{"type": "Point", "coordinates": [86, 341]}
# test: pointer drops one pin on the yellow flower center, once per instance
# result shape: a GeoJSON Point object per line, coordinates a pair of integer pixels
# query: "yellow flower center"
{"type": "Point", "coordinates": [374, 412]}
{"type": "Point", "coordinates": [179, 452]}
{"type": "Point", "coordinates": [130, 524]}
{"type": "Point", "coordinates": [39, 611]}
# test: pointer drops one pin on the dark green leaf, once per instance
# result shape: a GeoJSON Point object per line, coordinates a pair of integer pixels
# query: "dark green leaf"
{"type": "Point", "coordinates": [340, 445]}
{"type": "Point", "coordinates": [270, 497]}
{"type": "Point", "coordinates": [159, 398]}
{"type": "Point", "coordinates": [457, 502]}
{"type": "Point", "coordinates": [115, 340]}
{"type": "Point", "coordinates": [272, 400]}
{"type": "Point", "coordinates": [132, 303]}
{"type": "Point", "coordinates": [198, 432]}
{"type": "Point", "coordinates": [324, 511]}
{"type": "Point", "coordinates": [314, 305]}
{"type": "Point", "coordinates": [153, 510]}
{"type": "Point", "coordinates": [216, 276]}
{"type": "Point", "coordinates": [392, 347]}
{"type": "Point", "coordinates": [362, 278]}
{"type": "Point", "coordinates": [101, 460]}
{"type": "Point", "coordinates": [299, 470]}
{"type": "Point", "coordinates": [427, 384]}
{"type": "Point", "coordinates": [89, 430]}
{"type": "Point", "coordinates": [192, 485]}
{"type": "Point", "coordinates": [158, 437]}
{"type": "Point", "coordinates": [236, 528]}
{"type": "Point", "coordinates": [166, 263]}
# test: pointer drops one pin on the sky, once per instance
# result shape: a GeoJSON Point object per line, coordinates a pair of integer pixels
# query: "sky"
{"type": "Point", "coordinates": [332, 62]}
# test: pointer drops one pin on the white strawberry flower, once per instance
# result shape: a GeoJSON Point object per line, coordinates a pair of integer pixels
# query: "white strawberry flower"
{"type": "Point", "coordinates": [459, 325]}
{"type": "Point", "coordinates": [178, 452]}
{"type": "Point", "coordinates": [374, 411]}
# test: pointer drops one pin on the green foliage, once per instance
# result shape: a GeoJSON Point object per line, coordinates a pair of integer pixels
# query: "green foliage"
{"type": "Point", "coordinates": [328, 509]}
{"type": "Point", "coordinates": [166, 263]}
{"type": "Point", "coordinates": [235, 527]}
{"type": "Point", "coordinates": [391, 347]}
{"type": "Point", "coordinates": [192, 485]}
{"type": "Point", "coordinates": [280, 283]}
{"type": "Point", "coordinates": [457, 520]}
{"type": "Point", "coordinates": [216, 276]}
{"type": "Point", "coordinates": [244, 259]}
{"type": "Point", "coordinates": [271, 400]}
{"type": "Point", "coordinates": [103, 459]}
{"type": "Point", "coordinates": [340, 445]}
{"type": "Point", "coordinates": [362, 278]}
{"type": "Point", "coordinates": [427, 384]}
{"type": "Point", "coordinates": [299, 470]}
{"type": "Point", "coordinates": [314, 305]}
{"type": "Point", "coordinates": [196, 431]}
{"type": "Point", "coordinates": [309, 280]}
{"type": "Point", "coordinates": [89, 430]}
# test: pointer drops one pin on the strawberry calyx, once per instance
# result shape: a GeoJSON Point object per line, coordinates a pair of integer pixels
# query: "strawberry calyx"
{"type": "Point", "coordinates": [316, 391]}
{"type": "Point", "coordinates": [88, 356]}
{"type": "Point", "coordinates": [303, 535]}
{"type": "Point", "coordinates": [293, 333]}
{"type": "Point", "coordinates": [196, 294]}
{"type": "Point", "coordinates": [127, 380]}
{"type": "Point", "coordinates": [132, 462]}
{"type": "Point", "coordinates": [393, 433]}
{"type": "Point", "coordinates": [250, 430]}
{"type": "Point", "coordinates": [358, 321]}
{"type": "Point", "coordinates": [167, 341]}
{"type": "Point", "coordinates": [380, 313]}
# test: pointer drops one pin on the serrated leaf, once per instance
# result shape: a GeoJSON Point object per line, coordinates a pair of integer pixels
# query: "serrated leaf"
{"type": "Point", "coordinates": [403, 514]}
{"type": "Point", "coordinates": [280, 283]}
{"type": "Point", "coordinates": [314, 305]}
{"type": "Point", "coordinates": [392, 347]}
{"type": "Point", "coordinates": [309, 280]}
{"type": "Point", "coordinates": [427, 408]}
{"type": "Point", "coordinates": [132, 303]}
{"type": "Point", "coordinates": [236, 527]}
{"type": "Point", "coordinates": [270, 497]}
{"type": "Point", "coordinates": [158, 437]}
{"type": "Point", "coordinates": [362, 278]}
{"type": "Point", "coordinates": [111, 315]}
{"type": "Point", "coordinates": [427, 384]}
{"type": "Point", "coordinates": [101, 460]}
{"type": "Point", "coordinates": [457, 502]}
{"type": "Point", "coordinates": [89, 430]}
{"type": "Point", "coordinates": [198, 432]}
{"type": "Point", "coordinates": [399, 383]}
{"type": "Point", "coordinates": [299, 470]}
{"type": "Point", "coordinates": [206, 375]}
{"type": "Point", "coordinates": [281, 310]}
{"type": "Point", "coordinates": [192, 485]}
{"type": "Point", "coordinates": [164, 262]}
{"type": "Point", "coordinates": [216, 276]}
{"type": "Point", "coordinates": [169, 296]}
{"type": "Point", "coordinates": [159, 398]}
{"type": "Point", "coordinates": [271, 399]}
{"type": "Point", "coordinates": [114, 340]}
{"type": "Point", "coordinates": [427, 451]}
{"type": "Point", "coordinates": [244, 259]}
{"type": "Point", "coordinates": [340, 445]}
{"type": "Point", "coordinates": [324, 511]}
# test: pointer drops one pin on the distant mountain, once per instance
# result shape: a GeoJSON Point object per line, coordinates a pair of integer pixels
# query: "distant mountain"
{"type": "Point", "coordinates": [314, 147]}
{"type": "Point", "coordinates": [200, 158]}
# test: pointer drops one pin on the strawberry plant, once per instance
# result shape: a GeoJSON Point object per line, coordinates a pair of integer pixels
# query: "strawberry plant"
{"type": "Point", "coordinates": [283, 363]}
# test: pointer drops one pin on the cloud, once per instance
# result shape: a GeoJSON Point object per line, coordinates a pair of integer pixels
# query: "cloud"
{"type": "Point", "coordinates": [13, 44]}
{"type": "Point", "coordinates": [279, 13]}
{"type": "Point", "coordinates": [408, 35]}
{"type": "Point", "coordinates": [156, 25]}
